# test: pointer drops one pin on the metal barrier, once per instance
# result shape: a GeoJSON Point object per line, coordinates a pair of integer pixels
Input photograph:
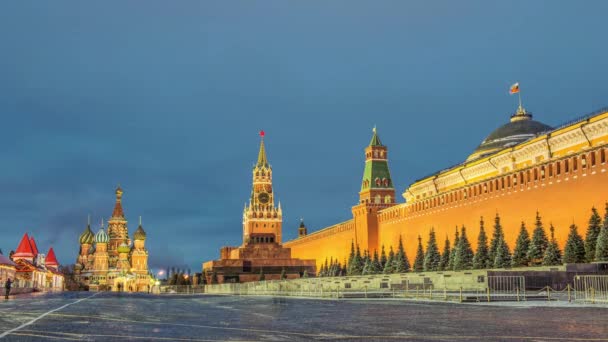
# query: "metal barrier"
{"type": "Point", "coordinates": [178, 289]}
{"type": "Point", "coordinates": [591, 288]}
{"type": "Point", "coordinates": [506, 288]}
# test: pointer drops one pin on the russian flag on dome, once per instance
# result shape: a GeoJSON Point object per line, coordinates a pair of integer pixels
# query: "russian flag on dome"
{"type": "Point", "coordinates": [514, 89]}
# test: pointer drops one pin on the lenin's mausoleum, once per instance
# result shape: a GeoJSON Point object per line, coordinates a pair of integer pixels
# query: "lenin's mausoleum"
{"type": "Point", "coordinates": [522, 167]}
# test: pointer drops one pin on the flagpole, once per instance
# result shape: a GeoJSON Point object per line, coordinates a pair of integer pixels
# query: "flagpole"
{"type": "Point", "coordinates": [519, 95]}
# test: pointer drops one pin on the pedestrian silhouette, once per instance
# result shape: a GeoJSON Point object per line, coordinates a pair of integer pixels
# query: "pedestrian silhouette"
{"type": "Point", "coordinates": [7, 286]}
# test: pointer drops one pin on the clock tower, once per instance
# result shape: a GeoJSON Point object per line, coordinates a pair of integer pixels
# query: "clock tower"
{"type": "Point", "coordinates": [262, 220]}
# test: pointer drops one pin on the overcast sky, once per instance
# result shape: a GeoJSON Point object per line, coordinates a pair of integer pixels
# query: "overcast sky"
{"type": "Point", "coordinates": [167, 98]}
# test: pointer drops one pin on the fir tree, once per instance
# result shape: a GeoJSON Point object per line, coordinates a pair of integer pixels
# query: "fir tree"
{"type": "Point", "coordinates": [419, 261]}
{"type": "Point", "coordinates": [283, 273]}
{"type": "Point", "coordinates": [503, 255]}
{"type": "Point", "coordinates": [601, 247]}
{"type": "Point", "coordinates": [481, 260]}
{"type": "Point", "coordinates": [538, 244]}
{"type": "Point", "coordinates": [350, 266]}
{"type": "Point", "coordinates": [445, 257]}
{"type": "Point", "coordinates": [401, 263]}
{"type": "Point", "coordinates": [497, 235]}
{"type": "Point", "coordinates": [383, 258]}
{"type": "Point", "coordinates": [367, 264]}
{"type": "Point", "coordinates": [432, 258]}
{"type": "Point", "coordinates": [574, 252]}
{"type": "Point", "coordinates": [520, 253]}
{"type": "Point", "coordinates": [338, 269]}
{"type": "Point", "coordinates": [592, 233]}
{"type": "Point", "coordinates": [262, 275]}
{"type": "Point", "coordinates": [463, 259]}
{"type": "Point", "coordinates": [305, 274]}
{"type": "Point", "coordinates": [326, 268]}
{"type": "Point", "coordinates": [358, 262]}
{"type": "Point", "coordinates": [377, 266]}
{"type": "Point", "coordinates": [553, 256]}
{"type": "Point", "coordinates": [214, 278]}
{"type": "Point", "coordinates": [453, 252]}
{"type": "Point", "coordinates": [388, 268]}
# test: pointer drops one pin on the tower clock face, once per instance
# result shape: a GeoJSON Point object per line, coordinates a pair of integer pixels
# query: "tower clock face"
{"type": "Point", "coordinates": [263, 198]}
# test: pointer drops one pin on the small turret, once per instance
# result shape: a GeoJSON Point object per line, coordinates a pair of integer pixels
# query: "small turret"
{"type": "Point", "coordinates": [123, 248]}
{"type": "Point", "coordinates": [140, 233]}
{"type": "Point", "coordinates": [101, 236]}
{"type": "Point", "coordinates": [87, 237]}
{"type": "Point", "coordinates": [302, 231]}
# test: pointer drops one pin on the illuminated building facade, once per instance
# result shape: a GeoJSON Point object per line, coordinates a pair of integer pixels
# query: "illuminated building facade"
{"type": "Point", "coordinates": [110, 260]}
{"type": "Point", "coordinates": [261, 251]}
{"type": "Point", "coordinates": [521, 167]}
{"type": "Point", "coordinates": [34, 269]}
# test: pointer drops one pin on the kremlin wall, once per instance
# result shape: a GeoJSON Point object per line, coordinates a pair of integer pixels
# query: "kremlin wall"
{"type": "Point", "coordinates": [521, 167]}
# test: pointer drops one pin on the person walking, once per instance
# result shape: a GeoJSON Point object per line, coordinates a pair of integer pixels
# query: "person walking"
{"type": "Point", "coordinates": [7, 286]}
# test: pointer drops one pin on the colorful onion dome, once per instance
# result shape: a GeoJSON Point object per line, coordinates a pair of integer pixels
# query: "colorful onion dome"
{"type": "Point", "coordinates": [87, 236]}
{"type": "Point", "coordinates": [123, 248]}
{"type": "Point", "coordinates": [140, 233]}
{"type": "Point", "coordinates": [102, 236]}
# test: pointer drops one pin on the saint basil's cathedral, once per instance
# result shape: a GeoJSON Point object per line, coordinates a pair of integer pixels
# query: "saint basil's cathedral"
{"type": "Point", "coordinates": [111, 260]}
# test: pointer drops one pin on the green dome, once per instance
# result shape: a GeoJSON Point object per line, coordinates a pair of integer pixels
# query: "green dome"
{"type": "Point", "coordinates": [87, 236]}
{"type": "Point", "coordinates": [123, 248]}
{"type": "Point", "coordinates": [139, 234]}
{"type": "Point", "coordinates": [101, 236]}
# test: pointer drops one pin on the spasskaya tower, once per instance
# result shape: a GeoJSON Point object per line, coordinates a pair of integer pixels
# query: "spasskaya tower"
{"type": "Point", "coordinates": [262, 220]}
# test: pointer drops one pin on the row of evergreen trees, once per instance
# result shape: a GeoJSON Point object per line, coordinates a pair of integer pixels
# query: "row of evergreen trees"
{"type": "Point", "coordinates": [534, 250]}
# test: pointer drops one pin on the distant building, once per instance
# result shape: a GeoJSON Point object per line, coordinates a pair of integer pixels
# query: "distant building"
{"type": "Point", "coordinates": [109, 261]}
{"type": "Point", "coordinates": [34, 269]}
{"type": "Point", "coordinates": [261, 251]}
{"type": "Point", "coordinates": [7, 270]}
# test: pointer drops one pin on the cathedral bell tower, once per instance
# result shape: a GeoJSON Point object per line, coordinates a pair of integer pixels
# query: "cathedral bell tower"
{"type": "Point", "coordinates": [261, 219]}
{"type": "Point", "coordinates": [117, 229]}
{"type": "Point", "coordinates": [376, 193]}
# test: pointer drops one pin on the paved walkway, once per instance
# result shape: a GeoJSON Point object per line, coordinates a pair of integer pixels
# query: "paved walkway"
{"type": "Point", "coordinates": [107, 316]}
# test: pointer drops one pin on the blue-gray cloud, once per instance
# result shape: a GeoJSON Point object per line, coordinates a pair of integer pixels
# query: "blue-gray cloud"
{"type": "Point", "coordinates": [166, 99]}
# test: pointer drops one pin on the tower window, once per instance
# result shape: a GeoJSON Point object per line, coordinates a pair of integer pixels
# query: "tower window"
{"type": "Point", "coordinates": [378, 183]}
{"type": "Point", "coordinates": [566, 166]}
{"type": "Point", "coordinates": [377, 199]}
{"type": "Point", "coordinates": [602, 156]}
{"type": "Point", "coordinates": [574, 163]}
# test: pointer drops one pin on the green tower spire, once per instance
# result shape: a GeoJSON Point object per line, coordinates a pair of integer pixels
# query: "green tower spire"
{"type": "Point", "coordinates": [377, 185]}
{"type": "Point", "coordinates": [375, 139]}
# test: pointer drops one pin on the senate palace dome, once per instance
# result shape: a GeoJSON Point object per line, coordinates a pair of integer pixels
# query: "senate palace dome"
{"type": "Point", "coordinates": [519, 129]}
